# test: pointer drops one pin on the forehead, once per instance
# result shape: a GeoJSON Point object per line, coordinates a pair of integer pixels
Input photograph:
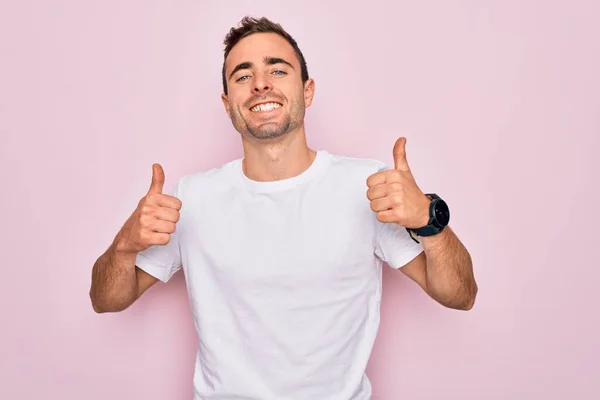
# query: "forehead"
{"type": "Point", "coordinates": [256, 47]}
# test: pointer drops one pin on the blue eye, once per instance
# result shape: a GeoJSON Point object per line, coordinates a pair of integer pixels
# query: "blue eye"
{"type": "Point", "coordinates": [242, 77]}
{"type": "Point", "coordinates": [280, 71]}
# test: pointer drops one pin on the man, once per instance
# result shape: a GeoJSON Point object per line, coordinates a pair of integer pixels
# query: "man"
{"type": "Point", "coordinates": [282, 250]}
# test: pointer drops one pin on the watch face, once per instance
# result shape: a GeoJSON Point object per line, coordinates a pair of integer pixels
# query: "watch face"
{"type": "Point", "coordinates": [442, 213]}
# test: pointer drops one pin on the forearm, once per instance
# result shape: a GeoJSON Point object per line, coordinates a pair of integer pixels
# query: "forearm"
{"type": "Point", "coordinates": [114, 280]}
{"type": "Point", "coordinates": [449, 271]}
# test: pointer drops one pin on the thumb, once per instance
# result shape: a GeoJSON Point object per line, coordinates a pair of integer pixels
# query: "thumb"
{"type": "Point", "coordinates": [400, 162]}
{"type": "Point", "coordinates": [158, 179]}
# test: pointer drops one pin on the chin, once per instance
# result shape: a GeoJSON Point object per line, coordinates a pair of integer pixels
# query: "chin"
{"type": "Point", "coordinates": [268, 125]}
{"type": "Point", "coordinates": [266, 134]}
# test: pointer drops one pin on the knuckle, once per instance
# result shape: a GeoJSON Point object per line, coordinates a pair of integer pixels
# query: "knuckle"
{"type": "Point", "coordinates": [396, 179]}
{"type": "Point", "coordinates": [399, 211]}
{"type": "Point", "coordinates": [171, 227]}
{"type": "Point", "coordinates": [146, 209]}
{"type": "Point", "coordinates": [144, 236]}
{"type": "Point", "coordinates": [165, 239]}
{"type": "Point", "coordinates": [145, 221]}
{"type": "Point", "coordinates": [147, 199]}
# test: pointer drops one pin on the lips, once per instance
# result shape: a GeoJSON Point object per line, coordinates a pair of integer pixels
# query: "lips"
{"type": "Point", "coordinates": [265, 107]}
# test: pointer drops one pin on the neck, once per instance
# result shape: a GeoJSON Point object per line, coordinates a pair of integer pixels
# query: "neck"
{"type": "Point", "coordinates": [281, 158]}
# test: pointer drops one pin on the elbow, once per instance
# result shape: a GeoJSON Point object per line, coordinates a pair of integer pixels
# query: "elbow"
{"type": "Point", "coordinates": [460, 305]}
{"type": "Point", "coordinates": [471, 303]}
{"type": "Point", "coordinates": [98, 306]}
{"type": "Point", "coordinates": [107, 308]}
{"type": "Point", "coordinates": [468, 299]}
{"type": "Point", "coordinates": [98, 309]}
{"type": "Point", "coordinates": [101, 306]}
{"type": "Point", "coordinates": [95, 303]}
{"type": "Point", "coordinates": [467, 305]}
{"type": "Point", "coordinates": [463, 300]}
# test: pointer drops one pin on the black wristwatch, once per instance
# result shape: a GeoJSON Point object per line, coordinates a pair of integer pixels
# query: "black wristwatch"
{"type": "Point", "coordinates": [439, 217]}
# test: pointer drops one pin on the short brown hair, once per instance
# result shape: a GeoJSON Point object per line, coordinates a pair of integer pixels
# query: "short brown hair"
{"type": "Point", "coordinates": [248, 26]}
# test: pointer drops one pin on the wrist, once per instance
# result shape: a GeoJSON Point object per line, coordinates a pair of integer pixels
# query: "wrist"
{"type": "Point", "coordinates": [425, 214]}
{"type": "Point", "coordinates": [438, 217]}
{"type": "Point", "coordinates": [121, 249]}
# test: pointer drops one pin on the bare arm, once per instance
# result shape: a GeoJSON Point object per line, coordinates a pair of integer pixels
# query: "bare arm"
{"type": "Point", "coordinates": [445, 271]}
{"type": "Point", "coordinates": [116, 281]}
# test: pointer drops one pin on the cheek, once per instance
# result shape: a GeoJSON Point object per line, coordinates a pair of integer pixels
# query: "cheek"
{"type": "Point", "coordinates": [235, 99]}
{"type": "Point", "coordinates": [237, 105]}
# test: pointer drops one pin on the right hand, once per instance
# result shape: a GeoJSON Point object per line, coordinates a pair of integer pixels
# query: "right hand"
{"type": "Point", "coordinates": [154, 219]}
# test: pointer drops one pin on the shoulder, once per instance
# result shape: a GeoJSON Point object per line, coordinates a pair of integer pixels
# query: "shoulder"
{"type": "Point", "coordinates": [356, 166]}
{"type": "Point", "coordinates": [210, 180]}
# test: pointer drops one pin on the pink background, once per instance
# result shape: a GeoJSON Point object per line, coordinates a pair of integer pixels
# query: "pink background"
{"type": "Point", "coordinates": [500, 103]}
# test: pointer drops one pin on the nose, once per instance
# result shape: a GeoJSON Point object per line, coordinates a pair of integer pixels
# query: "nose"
{"type": "Point", "coordinates": [261, 84]}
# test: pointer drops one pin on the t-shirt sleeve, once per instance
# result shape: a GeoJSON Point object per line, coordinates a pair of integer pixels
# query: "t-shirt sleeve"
{"type": "Point", "coordinates": [162, 261]}
{"type": "Point", "coordinates": [393, 243]}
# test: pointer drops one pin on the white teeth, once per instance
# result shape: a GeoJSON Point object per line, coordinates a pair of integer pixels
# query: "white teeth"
{"type": "Point", "coordinates": [265, 107]}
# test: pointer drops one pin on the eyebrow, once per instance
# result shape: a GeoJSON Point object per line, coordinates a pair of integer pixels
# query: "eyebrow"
{"type": "Point", "coordinates": [267, 60]}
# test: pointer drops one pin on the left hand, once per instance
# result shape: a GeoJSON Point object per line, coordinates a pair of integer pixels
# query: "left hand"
{"type": "Point", "coordinates": [394, 194]}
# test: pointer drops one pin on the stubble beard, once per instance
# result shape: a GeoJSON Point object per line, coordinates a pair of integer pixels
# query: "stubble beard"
{"type": "Point", "coordinates": [269, 130]}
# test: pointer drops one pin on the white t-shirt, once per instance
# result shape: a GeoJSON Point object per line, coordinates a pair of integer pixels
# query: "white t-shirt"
{"type": "Point", "coordinates": [284, 279]}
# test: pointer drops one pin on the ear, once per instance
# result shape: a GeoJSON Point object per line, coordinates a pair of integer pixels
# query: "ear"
{"type": "Point", "coordinates": [309, 92]}
{"type": "Point", "coordinates": [225, 101]}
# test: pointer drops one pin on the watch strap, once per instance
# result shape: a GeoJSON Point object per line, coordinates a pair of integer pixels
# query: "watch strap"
{"type": "Point", "coordinates": [431, 228]}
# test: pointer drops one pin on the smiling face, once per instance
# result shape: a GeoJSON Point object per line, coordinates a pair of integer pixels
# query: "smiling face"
{"type": "Point", "coordinates": [265, 96]}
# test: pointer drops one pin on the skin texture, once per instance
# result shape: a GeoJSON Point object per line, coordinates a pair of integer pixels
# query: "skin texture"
{"type": "Point", "coordinates": [116, 281]}
{"type": "Point", "coordinates": [445, 269]}
{"type": "Point", "coordinates": [274, 142]}
{"type": "Point", "coordinates": [263, 68]}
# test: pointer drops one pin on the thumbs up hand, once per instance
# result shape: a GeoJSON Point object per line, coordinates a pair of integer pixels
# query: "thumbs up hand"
{"type": "Point", "coordinates": [394, 194]}
{"type": "Point", "coordinates": [154, 219]}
